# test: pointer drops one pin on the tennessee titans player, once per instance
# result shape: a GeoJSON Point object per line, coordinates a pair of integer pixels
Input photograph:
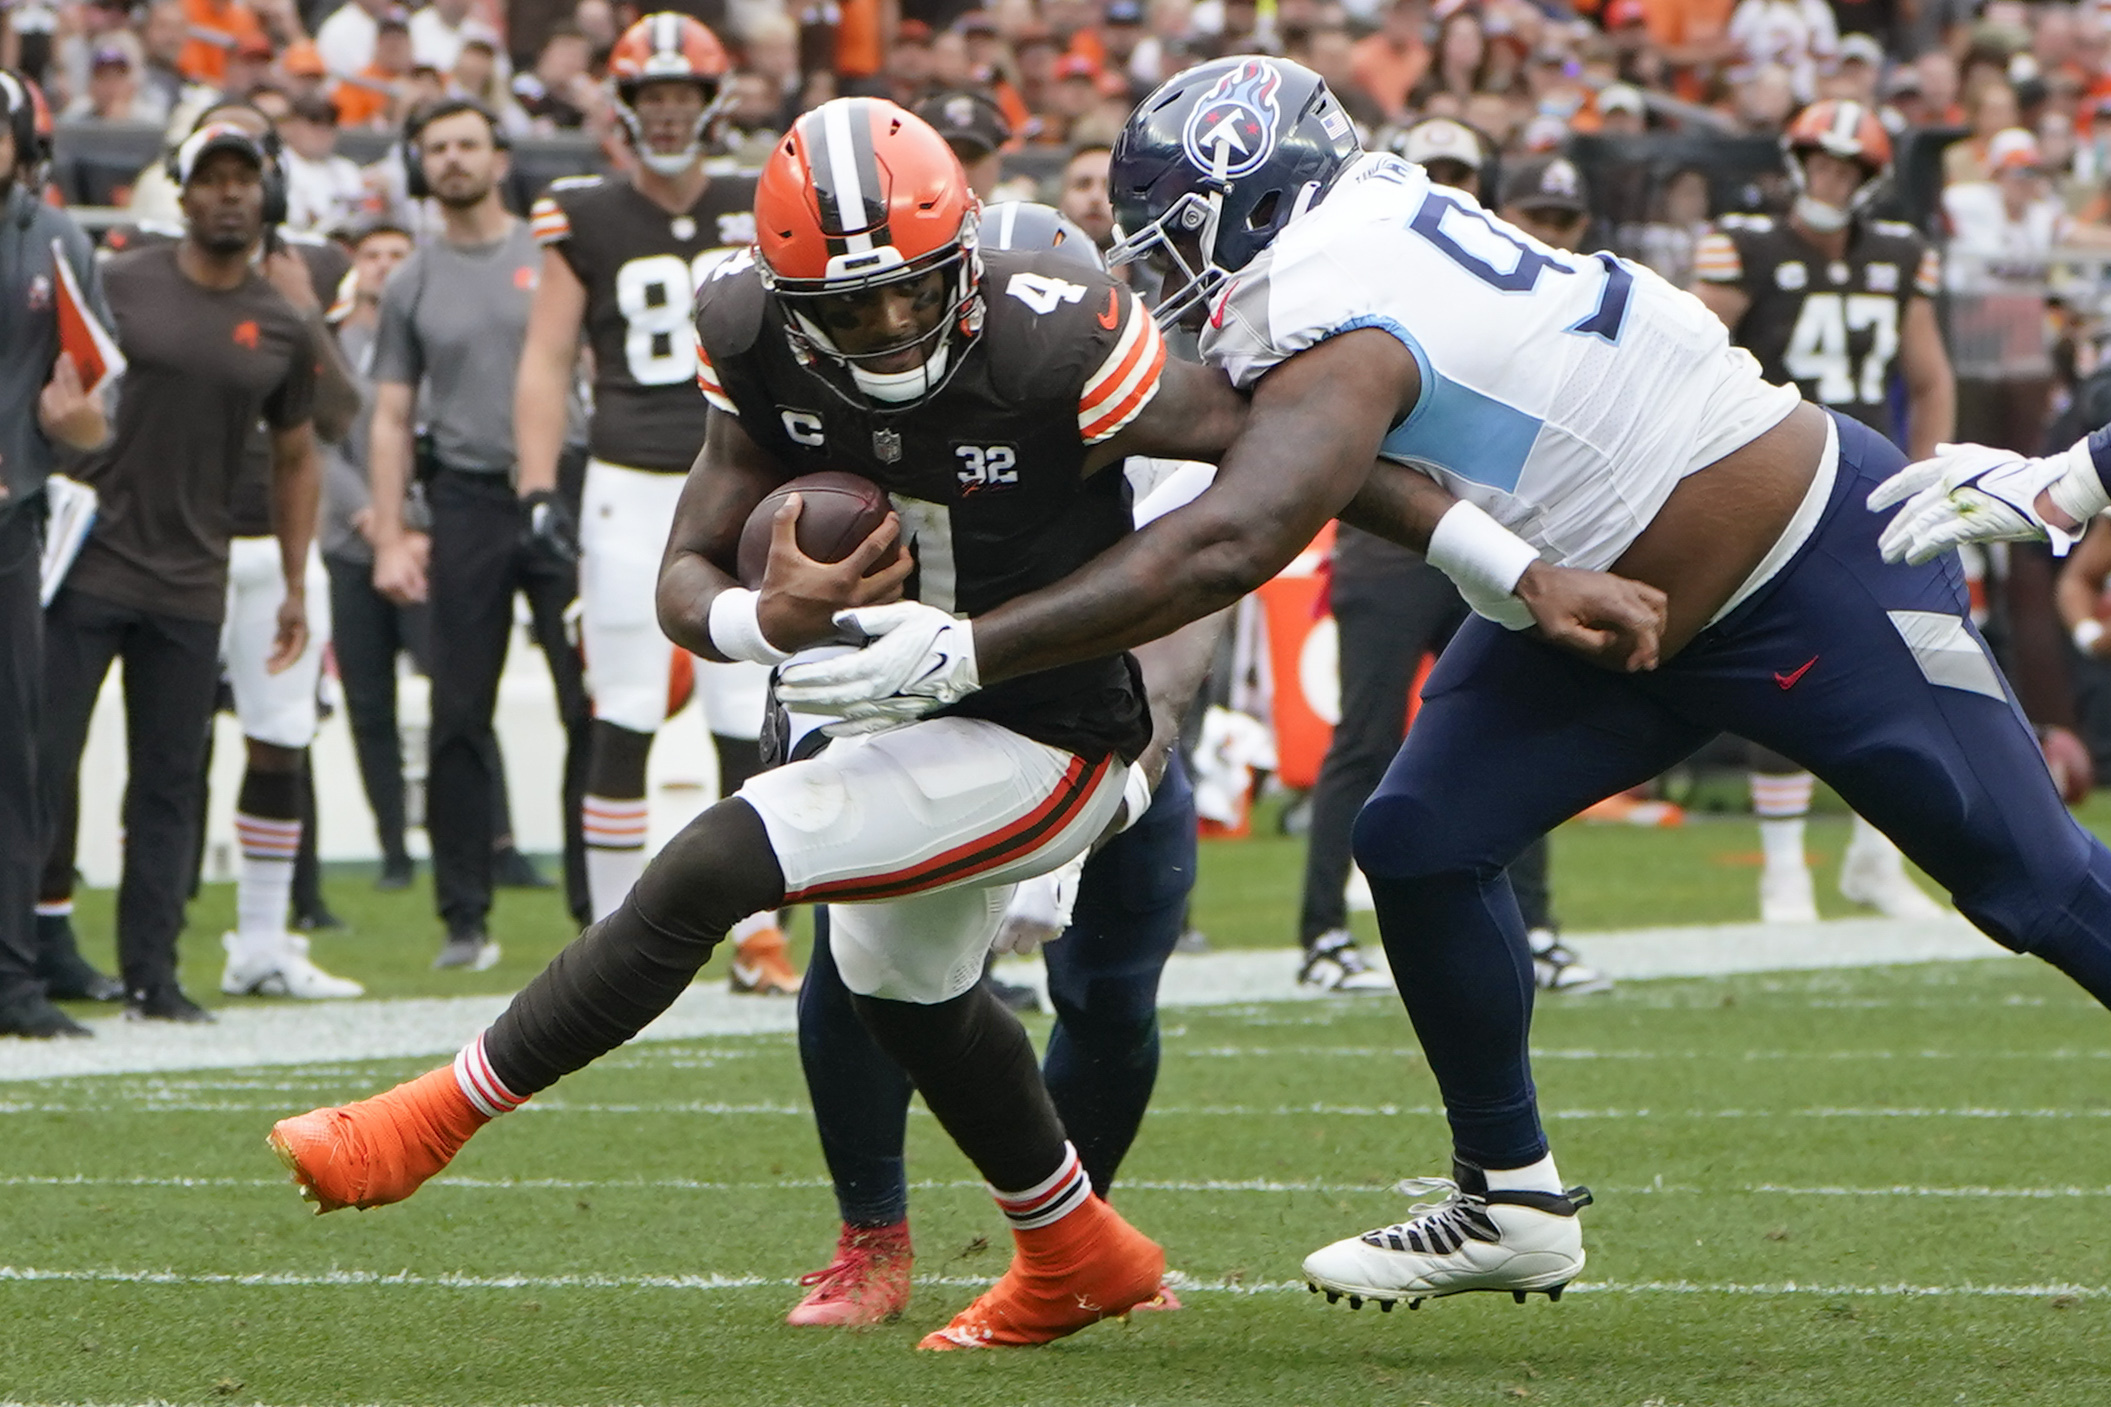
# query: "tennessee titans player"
{"type": "Point", "coordinates": [1527, 408]}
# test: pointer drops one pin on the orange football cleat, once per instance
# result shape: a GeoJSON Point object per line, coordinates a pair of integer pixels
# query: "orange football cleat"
{"type": "Point", "coordinates": [1089, 1266]}
{"type": "Point", "coordinates": [379, 1150]}
{"type": "Point", "coordinates": [867, 1282]}
{"type": "Point", "coordinates": [762, 966]}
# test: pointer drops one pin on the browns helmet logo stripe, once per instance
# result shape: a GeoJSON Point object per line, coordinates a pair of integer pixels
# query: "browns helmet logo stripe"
{"type": "Point", "coordinates": [847, 179]}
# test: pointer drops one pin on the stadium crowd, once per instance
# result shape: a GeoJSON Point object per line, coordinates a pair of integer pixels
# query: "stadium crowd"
{"type": "Point", "coordinates": [1635, 125]}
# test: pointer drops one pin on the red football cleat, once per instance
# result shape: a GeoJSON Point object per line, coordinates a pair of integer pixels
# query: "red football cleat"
{"type": "Point", "coordinates": [867, 1283]}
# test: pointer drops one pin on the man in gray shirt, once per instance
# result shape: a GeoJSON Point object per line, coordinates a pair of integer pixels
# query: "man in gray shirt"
{"type": "Point", "coordinates": [453, 321]}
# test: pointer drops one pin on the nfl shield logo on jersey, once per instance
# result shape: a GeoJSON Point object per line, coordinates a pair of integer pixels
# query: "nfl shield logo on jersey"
{"type": "Point", "coordinates": [1232, 130]}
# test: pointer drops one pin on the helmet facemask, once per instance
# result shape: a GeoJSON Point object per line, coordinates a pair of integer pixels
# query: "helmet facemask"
{"type": "Point", "coordinates": [803, 303]}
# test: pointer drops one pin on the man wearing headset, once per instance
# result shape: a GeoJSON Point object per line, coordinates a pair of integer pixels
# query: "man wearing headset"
{"type": "Point", "coordinates": [275, 706]}
{"type": "Point", "coordinates": [212, 347]}
{"type": "Point", "coordinates": [42, 406]}
{"type": "Point", "coordinates": [454, 320]}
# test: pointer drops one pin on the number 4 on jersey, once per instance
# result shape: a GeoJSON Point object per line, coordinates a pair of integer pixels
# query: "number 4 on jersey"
{"type": "Point", "coordinates": [1042, 293]}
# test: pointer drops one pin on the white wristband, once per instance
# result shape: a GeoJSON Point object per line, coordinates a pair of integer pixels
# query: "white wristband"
{"type": "Point", "coordinates": [1135, 796]}
{"type": "Point", "coordinates": [2079, 493]}
{"type": "Point", "coordinates": [2087, 633]}
{"type": "Point", "coordinates": [1481, 555]}
{"type": "Point", "coordinates": [737, 632]}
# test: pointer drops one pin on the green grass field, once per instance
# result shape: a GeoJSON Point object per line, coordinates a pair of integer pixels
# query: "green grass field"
{"type": "Point", "coordinates": [1877, 1187]}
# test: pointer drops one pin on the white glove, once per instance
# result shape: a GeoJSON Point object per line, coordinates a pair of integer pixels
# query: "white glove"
{"type": "Point", "coordinates": [1039, 910]}
{"type": "Point", "coordinates": [1967, 493]}
{"type": "Point", "coordinates": [914, 655]}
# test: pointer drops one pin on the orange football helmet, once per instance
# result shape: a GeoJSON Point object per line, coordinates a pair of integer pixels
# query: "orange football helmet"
{"type": "Point", "coordinates": [662, 48]}
{"type": "Point", "coordinates": [1845, 129]}
{"type": "Point", "coordinates": [861, 194]}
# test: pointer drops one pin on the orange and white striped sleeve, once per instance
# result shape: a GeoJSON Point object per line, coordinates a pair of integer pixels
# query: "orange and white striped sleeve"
{"type": "Point", "coordinates": [1927, 279]}
{"type": "Point", "coordinates": [1715, 259]}
{"type": "Point", "coordinates": [707, 381]}
{"type": "Point", "coordinates": [1125, 382]}
{"type": "Point", "coordinates": [548, 222]}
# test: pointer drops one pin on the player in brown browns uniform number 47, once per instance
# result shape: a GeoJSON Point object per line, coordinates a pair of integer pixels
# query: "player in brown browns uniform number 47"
{"type": "Point", "coordinates": [622, 259]}
{"type": "Point", "coordinates": [994, 396]}
{"type": "Point", "coordinates": [1837, 302]}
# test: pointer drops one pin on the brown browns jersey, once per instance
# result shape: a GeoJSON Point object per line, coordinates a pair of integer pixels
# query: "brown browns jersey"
{"type": "Point", "coordinates": [640, 267]}
{"type": "Point", "coordinates": [330, 270]}
{"type": "Point", "coordinates": [1832, 326]}
{"type": "Point", "coordinates": [204, 366]}
{"type": "Point", "coordinates": [988, 472]}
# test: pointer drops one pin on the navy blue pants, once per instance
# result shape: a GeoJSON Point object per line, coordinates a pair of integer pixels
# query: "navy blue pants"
{"type": "Point", "coordinates": [1102, 1057]}
{"type": "Point", "coordinates": [1869, 675]}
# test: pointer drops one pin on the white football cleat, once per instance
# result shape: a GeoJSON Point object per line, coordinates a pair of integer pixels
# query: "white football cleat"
{"type": "Point", "coordinates": [1472, 1239]}
{"type": "Point", "coordinates": [1333, 964]}
{"type": "Point", "coordinates": [1873, 873]}
{"type": "Point", "coordinates": [286, 973]}
{"type": "Point", "coordinates": [1786, 895]}
{"type": "Point", "coordinates": [1556, 968]}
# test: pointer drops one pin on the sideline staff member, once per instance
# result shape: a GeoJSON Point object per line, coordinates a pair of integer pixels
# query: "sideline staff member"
{"type": "Point", "coordinates": [454, 318]}
{"type": "Point", "coordinates": [212, 347]}
{"type": "Point", "coordinates": [41, 401]}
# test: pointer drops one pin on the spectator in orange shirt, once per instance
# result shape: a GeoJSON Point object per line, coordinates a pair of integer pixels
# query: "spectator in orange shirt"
{"type": "Point", "coordinates": [1693, 36]}
{"type": "Point", "coordinates": [216, 27]}
{"type": "Point", "coordinates": [370, 98]}
{"type": "Point", "coordinates": [1391, 62]}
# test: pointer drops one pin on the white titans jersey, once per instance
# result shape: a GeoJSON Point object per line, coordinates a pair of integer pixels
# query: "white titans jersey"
{"type": "Point", "coordinates": [1565, 394]}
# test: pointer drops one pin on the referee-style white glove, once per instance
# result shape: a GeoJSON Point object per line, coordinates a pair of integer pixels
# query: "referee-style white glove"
{"type": "Point", "coordinates": [914, 654]}
{"type": "Point", "coordinates": [1040, 910]}
{"type": "Point", "coordinates": [1969, 493]}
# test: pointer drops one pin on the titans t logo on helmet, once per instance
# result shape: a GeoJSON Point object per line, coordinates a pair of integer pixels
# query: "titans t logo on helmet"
{"type": "Point", "coordinates": [1231, 132]}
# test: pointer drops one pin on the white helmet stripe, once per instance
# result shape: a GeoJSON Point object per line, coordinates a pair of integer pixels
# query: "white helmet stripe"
{"type": "Point", "coordinates": [844, 183]}
{"type": "Point", "coordinates": [666, 33]}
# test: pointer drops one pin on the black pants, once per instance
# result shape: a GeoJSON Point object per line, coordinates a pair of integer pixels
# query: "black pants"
{"type": "Point", "coordinates": [21, 665]}
{"type": "Point", "coordinates": [172, 669]}
{"type": "Point", "coordinates": [478, 563]}
{"type": "Point", "coordinates": [368, 632]}
{"type": "Point", "coordinates": [1387, 621]}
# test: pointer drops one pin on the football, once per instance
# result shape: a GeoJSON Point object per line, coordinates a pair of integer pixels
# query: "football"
{"type": "Point", "coordinates": [837, 512]}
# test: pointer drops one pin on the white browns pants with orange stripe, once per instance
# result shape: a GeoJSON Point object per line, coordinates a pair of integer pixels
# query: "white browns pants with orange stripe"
{"type": "Point", "coordinates": [916, 836]}
{"type": "Point", "coordinates": [624, 518]}
{"type": "Point", "coordinates": [274, 708]}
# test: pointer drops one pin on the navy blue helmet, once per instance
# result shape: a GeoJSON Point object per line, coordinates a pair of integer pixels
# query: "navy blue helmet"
{"type": "Point", "coordinates": [1027, 226]}
{"type": "Point", "coordinates": [1210, 168]}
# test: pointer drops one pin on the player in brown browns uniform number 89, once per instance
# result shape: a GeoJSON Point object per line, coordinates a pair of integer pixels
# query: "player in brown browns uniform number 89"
{"type": "Point", "coordinates": [995, 397]}
{"type": "Point", "coordinates": [1833, 300]}
{"type": "Point", "coordinates": [622, 258]}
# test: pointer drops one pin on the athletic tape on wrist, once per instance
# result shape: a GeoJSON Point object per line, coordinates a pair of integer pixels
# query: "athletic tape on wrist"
{"type": "Point", "coordinates": [1485, 558]}
{"type": "Point", "coordinates": [736, 630]}
{"type": "Point", "coordinates": [2079, 493]}
{"type": "Point", "coordinates": [2086, 634]}
{"type": "Point", "coordinates": [1135, 796]}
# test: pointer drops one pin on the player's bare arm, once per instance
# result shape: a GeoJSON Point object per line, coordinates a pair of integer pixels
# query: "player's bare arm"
{"type": "Point", "coordinates": [2079, 591]}
{"type": "Point", "coordinates": [1931, 389]}
{"type": "Point", "coordinates": [541, 390]}
{"type": "Point", "coordinates": [1309, 442]}
{"type": "Point", "coordinates": [1195, 415]}
{"type": "Point", "coordinates": [799, 596]}
{"type": "Point", "coordinates": [399, 572]}
{"type": "Point", "coordinates": [296, 491]}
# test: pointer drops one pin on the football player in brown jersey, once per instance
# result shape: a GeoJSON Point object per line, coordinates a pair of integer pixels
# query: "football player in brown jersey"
{"type": "Point", "coordinates": [622, 259]}
{"type": "Point", "coordinates": [1830, 298]}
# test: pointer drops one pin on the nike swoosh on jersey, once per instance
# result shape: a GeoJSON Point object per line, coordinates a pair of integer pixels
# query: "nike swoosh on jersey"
{"type": "Point", "coordinates": [1216, 317]}
{"type": "Point", "coordinates": [1112, 316]}
{"type": "Point", "coordinates": [1788, 681]}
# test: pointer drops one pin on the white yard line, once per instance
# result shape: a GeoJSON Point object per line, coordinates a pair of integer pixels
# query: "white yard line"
{"type": "Point", "coordinates": [710, 1281]}
{"type": "Point", "coordinates": [284, 1033]}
